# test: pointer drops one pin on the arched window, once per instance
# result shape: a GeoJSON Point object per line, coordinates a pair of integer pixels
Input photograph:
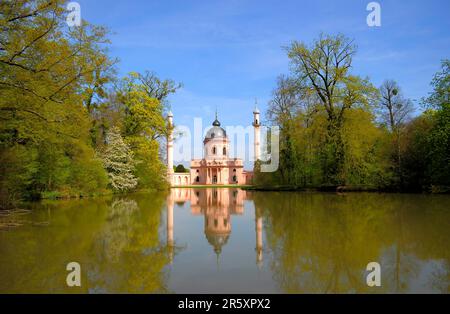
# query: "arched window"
{"type": "Point", "coordinates": [224, 151]}
{"type": "Point", "coordinates": [197, 180]}
{"type": "Point", "coordinates": [256, 121]}
{"type": "Point", "coordinates": [214, 150]}
{"type": "Point", "coordinates": [234, 179]}
{"type": "Point", "coordinates": [234, 170]}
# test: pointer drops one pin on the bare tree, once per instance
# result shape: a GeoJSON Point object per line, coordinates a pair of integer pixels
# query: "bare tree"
{"type": "Point", "coordinates": [285, 101]}
{"type": "Point", "coordinates": [395, 111]}
{"type": "Point", "coordinates": [395, 108]}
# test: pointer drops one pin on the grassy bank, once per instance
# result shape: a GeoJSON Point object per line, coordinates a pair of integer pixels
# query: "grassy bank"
{"type": "Point", "coordinates": [341, 189]}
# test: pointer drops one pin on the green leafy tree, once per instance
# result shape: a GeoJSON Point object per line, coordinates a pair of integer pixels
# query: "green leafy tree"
{"type": "Point", "coordinates": [439, 139]}
{"type": "Point", "coordinates": [46, 70]}
{"type": "Point", "coordinates": [323, 68]}
{"type": "Point", "coordinates": [180, 169]}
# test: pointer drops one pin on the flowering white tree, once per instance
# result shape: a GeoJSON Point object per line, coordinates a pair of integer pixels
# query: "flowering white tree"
{"type": "Point", "coordinates": [118, 162]}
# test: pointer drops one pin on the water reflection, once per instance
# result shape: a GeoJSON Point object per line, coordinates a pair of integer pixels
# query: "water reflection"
{"type": "Point", "coordinates": [321, 243]}
{"type": "Point", "coordinates": [265, 242]}
{"type": "Point", "coordinates": [217, 206]}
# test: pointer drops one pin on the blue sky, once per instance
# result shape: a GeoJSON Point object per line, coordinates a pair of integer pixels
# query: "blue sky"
{"type": "Point", "coordinates": [226, 53]}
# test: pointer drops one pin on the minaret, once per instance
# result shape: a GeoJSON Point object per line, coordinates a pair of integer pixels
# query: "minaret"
{"type": "Point", "coordinates": [170, 147]}
{"type": "Point", "coordinates": [257, 127]}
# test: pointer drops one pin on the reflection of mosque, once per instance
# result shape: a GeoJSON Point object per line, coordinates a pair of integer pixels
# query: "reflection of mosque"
{"type": "Point", "coordinates": [217, 206]}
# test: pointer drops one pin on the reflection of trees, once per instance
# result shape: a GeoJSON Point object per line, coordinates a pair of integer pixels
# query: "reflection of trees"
{"type": "Point", "coordinates": [117, 233]}
{"type": "Point", "coordinates": [33, 259]}
{"type": "Point", "coordinates": [117, 244]}
{"type": "Point", "coordinates": [323, 242]}
{"type": "Point", "coordinates": [132, 253]}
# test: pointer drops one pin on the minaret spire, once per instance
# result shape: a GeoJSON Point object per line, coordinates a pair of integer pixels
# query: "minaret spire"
{"type": "Point", "coordinates": [257, 136]}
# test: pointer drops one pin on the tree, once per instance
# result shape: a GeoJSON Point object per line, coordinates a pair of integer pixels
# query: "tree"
{"type": "Point", "coordinates": [282, 109]}
{"type": "Point", "coordinates": [45, 68]}
{"type": "Point", "coordinates": [323, 68]}
{"type": "Point", "coordinates": [180, 169]}
{"type": "Point", "coordinates": [439, 138]}
{"type": "Point", "coordinates": [395, 108]}
{"type": "Point", "coordinates": [395, 111]}
{"type": "Point", "coordinates": [118, 162]}
{"type": "Point", "coordinates": [143, 127]}
{"type": "Point", "coordinates": [156, 87]}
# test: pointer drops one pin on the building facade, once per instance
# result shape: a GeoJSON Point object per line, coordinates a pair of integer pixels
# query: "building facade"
{"type": "Point", "coordinates": [216, 167]}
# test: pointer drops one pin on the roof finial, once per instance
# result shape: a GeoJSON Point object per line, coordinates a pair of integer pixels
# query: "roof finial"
{"type": "Point", "coordinates": [256, 110]}
{"type": "Point", "coordinates": [216, 121]}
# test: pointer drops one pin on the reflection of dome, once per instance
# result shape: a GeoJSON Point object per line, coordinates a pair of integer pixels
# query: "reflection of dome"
{"type": "Point", "coordinates": [217, 240]}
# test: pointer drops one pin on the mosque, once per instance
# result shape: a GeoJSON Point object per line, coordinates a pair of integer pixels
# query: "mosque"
{"type": "Point", "coordinates": [216, 167]}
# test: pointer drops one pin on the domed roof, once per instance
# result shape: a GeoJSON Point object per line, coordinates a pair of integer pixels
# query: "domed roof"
{"type": "Point", "coordinates": [216, 130]}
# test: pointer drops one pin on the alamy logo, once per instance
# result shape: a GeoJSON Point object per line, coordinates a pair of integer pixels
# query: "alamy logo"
{"type": "Point", "coordinates": [74, 16]}
{"type": "Point", "coordinates": [373, 279]}
{"type": "Point", "coordinates": [73, 279]}
{"type": "Point", "coordinates": [374, 17]}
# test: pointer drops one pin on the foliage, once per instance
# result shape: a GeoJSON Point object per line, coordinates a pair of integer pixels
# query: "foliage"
{"type": "Point", "coordinates": [118, 160]}
{"type": "Point", "coordinates": [180, 169]}
{"type": "Point", "coordinates": [59, 97]}
{"type": "Point", "coordinates": [336, 128]}
{"type": "Point", "coordinates": [322, 72]}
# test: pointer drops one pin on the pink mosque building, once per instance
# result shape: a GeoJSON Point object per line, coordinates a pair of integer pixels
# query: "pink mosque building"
{"type": "Point", "coordinates": [216, 167]}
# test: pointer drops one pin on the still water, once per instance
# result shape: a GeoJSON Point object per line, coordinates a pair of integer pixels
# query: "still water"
{"type": "Point", "coordinates": [229, 241]}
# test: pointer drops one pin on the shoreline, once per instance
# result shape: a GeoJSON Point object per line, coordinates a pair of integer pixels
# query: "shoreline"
{"type": "Point", "coordinates": [342, 189]}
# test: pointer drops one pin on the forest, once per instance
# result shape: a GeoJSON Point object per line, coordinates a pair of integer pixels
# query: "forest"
{"type": "Point", "coordinates": [338, 129]}
{"type": "Point", "coordinates": [71, 127]}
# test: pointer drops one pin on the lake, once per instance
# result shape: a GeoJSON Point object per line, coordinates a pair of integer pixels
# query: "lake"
{"type": "Point", "coordinates": [229, 241]}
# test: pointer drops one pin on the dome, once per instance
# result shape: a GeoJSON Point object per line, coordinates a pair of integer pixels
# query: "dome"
{"type": "Point", "coordinates": [215, 131]}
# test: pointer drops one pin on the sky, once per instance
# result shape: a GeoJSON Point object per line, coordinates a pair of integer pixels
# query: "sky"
{"type": "Point", "coordinates": [227, 53]}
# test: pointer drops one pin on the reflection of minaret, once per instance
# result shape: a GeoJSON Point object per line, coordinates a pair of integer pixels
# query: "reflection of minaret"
{"type": "Point", "coordinates": [259, 239]}
{"type": "Point", "coordinates": [170, 227]}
